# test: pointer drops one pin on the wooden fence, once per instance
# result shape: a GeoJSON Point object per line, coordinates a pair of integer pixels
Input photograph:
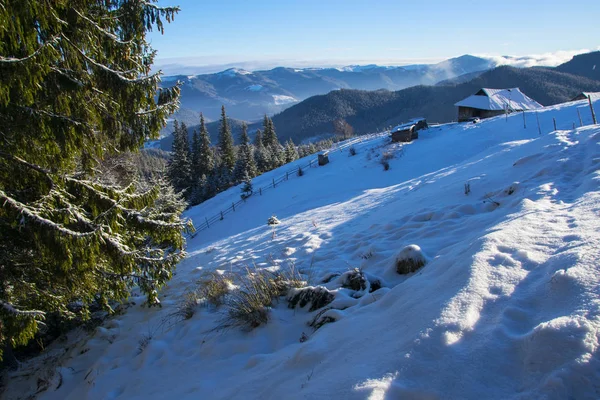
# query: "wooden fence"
{"type": "Point", "coordinates": [312, 163]}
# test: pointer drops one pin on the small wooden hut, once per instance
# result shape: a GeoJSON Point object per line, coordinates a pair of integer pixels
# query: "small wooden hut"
{"type": "Point", "coordinates": [404, 133]}
{"type": "Point", "coordinates": [323, 158]}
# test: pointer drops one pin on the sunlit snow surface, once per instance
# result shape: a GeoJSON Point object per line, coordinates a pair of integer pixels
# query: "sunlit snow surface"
{"type": "Point", "coordinates": [507, 306]}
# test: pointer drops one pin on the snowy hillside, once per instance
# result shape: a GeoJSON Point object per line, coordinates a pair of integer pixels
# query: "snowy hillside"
{"type": "Point", "coordinates": [507, 305]}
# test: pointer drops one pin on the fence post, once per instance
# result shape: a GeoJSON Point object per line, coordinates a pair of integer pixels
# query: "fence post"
{"type": "Point", "coordinates": [286, 176]}
{"type": "Point", "coordinates": [554, 120]}
{"type": "Point", "coordinates": [538, 121]}
{"type": "Point", "coordinates": [524, 120]}
{"type": "Point", "coordinates": [310, 164]}
{"type": "Point", "coordinates": [580, 120]}
{"type": "Point", "coordinates": [592, 110]}
{"type": "Point", "coordinates": [260, 191]}
{"type": "Point", "coordinates": [233, 206]}
{"type": "Point", "coordinates": [273, 183]}
{"type": "Point", "coordinates": [206, 219]}
{"type": "Point", "coordinates": [221, 215]}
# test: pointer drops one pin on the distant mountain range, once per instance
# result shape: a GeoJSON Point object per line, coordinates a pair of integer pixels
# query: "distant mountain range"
{"type": "Point", "coordinates": [369, 111]}
{"type": "Point", "coordinates": [249, 95]}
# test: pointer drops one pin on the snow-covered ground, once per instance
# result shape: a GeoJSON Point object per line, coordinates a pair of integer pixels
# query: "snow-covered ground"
{"type": "Point", "coordinates": [507, 306]}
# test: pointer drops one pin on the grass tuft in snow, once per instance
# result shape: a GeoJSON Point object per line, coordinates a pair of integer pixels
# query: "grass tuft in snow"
{"type": "Point", "coordinates": [248, 306]}
{"type": "Point", "coordinates": [213, 288]}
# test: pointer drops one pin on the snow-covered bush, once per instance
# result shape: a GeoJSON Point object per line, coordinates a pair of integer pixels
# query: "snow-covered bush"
{"type": "Point", "coordinates": [273, 220]}
{"type": "Point", "coordinates": [409, 259]}
{"type": "Point", "coordinates": [316, 296]}
{"type": "Point", "coordinates": [354, 280]}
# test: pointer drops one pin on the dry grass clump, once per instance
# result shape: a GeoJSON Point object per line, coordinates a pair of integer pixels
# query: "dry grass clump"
{"type": "Point", "coordinates": [213, 288]}
{"type": "Point", "coordinates": [248, 307]}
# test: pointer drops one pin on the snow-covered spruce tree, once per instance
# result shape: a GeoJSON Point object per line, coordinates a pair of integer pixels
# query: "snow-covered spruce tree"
{"type": "Point", "coordinates": [247, 189]}
{"type": "Point", "coordinates": [291, 153]}
{"type": "Point", "coordinates": [271, 143]}
{"type": "Point", "coordinates": [206, 158]}
{"type": "Point", "coordinates": [76, 86]}
{"type": "Point", "coordinates": [262, 157]}
{"type": "Point", "coordinates": [180, 165]}
{"type": "Point", "coordinates": [226, 149]}
{"type": "Point", "coordinates": [245, 165]}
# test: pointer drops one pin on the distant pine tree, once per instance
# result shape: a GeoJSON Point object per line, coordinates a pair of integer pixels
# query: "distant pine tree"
{"type": "Point", "coordinates": [262, 158]}
{"type": "Point", "coordinates": [226, 143]}
{"type": "Point", "coordinates": [206, 162]}
{"type": "Point", "coordinates": [245, 165]}
{"type": "Point", "coordinates": [258, 142]}
{"type": "Point", "coordinates": [291, 153]}
{"type": "Point", "coordinates": [179, 169]}
{"type": "Point", "coordinates": [271, 143]}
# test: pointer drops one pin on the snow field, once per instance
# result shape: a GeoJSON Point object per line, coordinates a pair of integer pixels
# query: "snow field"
{"type": "Point", "coordinates": [507, 305]}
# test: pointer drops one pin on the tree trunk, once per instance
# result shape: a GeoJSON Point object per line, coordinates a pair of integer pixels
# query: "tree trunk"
{"type": "Point", "coordinates": [9, 360]}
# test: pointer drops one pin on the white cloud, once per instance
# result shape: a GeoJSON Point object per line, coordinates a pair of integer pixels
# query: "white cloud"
{"type": "Point", "coordinates": [535, 60]}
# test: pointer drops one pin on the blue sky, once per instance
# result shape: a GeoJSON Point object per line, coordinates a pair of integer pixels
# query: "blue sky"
{"type": "Point", "coordinates": [379, 31]}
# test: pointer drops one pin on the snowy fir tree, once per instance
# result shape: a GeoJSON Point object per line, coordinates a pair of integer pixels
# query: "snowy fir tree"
{"type": "Point", "coordinates": [180, 165]}
{"type": "Point", "coordinates": [291, 153]}
{"type": "Point", "coordinates": [272, 145]}
{"type": "Point", "coordinates": [245, 165]}
{"type": "Point", "coordinates": [226, 149]}
{"type": "Point", "coordinates": [262, 157]}
{"type": "Point", "coordinates": [247, 189]}
{"type": "Point", "coordinates": [75, 87]}
{"type": "Point", "coordinates": [205, 156]}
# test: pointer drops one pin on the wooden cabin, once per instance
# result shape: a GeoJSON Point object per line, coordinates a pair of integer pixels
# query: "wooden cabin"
{"type": "Point", "coordinates": [488, 103]}
{"type": "Point", "coordinates": [404, 133]}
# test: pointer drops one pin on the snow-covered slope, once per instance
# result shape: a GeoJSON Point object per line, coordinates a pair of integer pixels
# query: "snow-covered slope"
{"type": "Point", "coordinates": [507, 306]}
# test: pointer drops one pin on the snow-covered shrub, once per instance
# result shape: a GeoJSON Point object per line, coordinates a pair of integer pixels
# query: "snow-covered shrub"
{"type": "Point", "coordinates": [409, 259]}
{"type": "Point", "coordinates": [320, 319]}
{"type": "Point", "coordinates": [273, 220]}
{"type": "Point", "coordinates": [316, 296]}
{"type": "Point", "coordinates": [354, 280]}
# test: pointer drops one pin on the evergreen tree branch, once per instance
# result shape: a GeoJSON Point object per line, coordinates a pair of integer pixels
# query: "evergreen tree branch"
{"type": "Point", "coordinates": [14, 60]}
{"type": "Point", "coordinates": [119, 74]}
{"type": "Point", "coordinates": [37, 168]}
{"type": "Point", "coordinates": [28, 313]}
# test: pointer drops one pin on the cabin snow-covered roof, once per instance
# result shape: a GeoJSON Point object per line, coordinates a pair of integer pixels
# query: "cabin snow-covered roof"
{"type": "Point", "coordinates": [499, 99]}
{"type": "Point", "coordinates": [407, 125]}
{"type": "Point", "coordinates": [593, 95]}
